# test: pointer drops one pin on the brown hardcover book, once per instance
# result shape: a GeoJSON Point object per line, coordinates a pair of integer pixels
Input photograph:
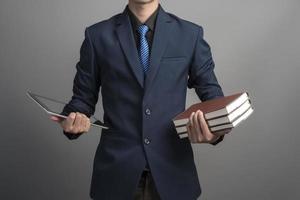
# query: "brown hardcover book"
{"type": "Point", "coordinates": [213, 108]}
{"type": "Point", "coordinates": [220, 127]}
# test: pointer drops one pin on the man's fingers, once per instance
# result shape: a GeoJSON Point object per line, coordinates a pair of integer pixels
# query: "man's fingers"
{"type": "Point", "coordinates": [192, 135]}
{"type": "Point", "coordinates": [196, 123]}
{"type": "Point", "coordinates": [188, 127]}
{"type": "Point", "coordinates": [206, 132]}
{"type": "Point", "coordinates": [81, 123]}
{"type": "Point", "coordinates": [189, 131]}
{"type": "Point", "coordinates": [85, 123]}
{"type": "Point", "coordinates": [78, 125]}
{"type": "Point", "coordinates": [203, 123]}
{"type": "Point", "coordinates": [68, 125]}
{"type": "Point", "coordinates": [199, 132]}
{"type": "Point", "coordinates": [191, 119]}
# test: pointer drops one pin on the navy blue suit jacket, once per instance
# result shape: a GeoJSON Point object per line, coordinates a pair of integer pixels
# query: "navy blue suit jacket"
{"type": "Point", "coordinates": [139, 112]}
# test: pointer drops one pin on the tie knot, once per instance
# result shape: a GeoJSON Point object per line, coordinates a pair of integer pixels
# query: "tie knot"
{"type": "Point", "coordinates": [143, 29]}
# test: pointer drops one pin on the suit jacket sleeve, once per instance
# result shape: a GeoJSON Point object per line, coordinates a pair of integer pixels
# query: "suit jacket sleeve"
{"type": "Point", "coordinates": [86, 83]}
{"type": "Point", "coordinates": [201, 74]}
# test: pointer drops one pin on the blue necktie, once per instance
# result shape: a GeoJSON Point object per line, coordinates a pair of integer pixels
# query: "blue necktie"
{"type": "Point", "coordinates": [144, 47]}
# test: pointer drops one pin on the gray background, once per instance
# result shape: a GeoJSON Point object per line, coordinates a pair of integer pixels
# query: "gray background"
{"type": "Point", "coordinates": [255, 46]}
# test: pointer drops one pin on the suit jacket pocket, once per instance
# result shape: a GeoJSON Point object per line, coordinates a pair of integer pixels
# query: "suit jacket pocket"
{"type": "Point", "coordinates": [173, 58]}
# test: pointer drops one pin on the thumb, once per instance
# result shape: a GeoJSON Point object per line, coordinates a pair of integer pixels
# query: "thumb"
{"type": "Point", "coordinates": [55, 118]}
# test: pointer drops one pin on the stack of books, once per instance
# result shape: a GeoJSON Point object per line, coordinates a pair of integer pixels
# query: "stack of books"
{"type": "Point", "coordinates": [221, 113]}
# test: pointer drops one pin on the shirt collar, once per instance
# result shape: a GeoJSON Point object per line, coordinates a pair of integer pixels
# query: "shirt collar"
{"type": "Point", "coordinates": [150, 22]}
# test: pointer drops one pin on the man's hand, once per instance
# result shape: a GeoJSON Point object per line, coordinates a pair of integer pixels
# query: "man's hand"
{"type": "Point", "coordinates": [75, 123]}
{"type": "Point", "coordinates": [198, 130]}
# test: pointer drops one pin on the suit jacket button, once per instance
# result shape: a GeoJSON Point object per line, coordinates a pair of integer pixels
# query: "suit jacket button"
{"type": "Point", "coordinates": [147, 111]}
{"type": "Point", "coordinates": [146, 141]}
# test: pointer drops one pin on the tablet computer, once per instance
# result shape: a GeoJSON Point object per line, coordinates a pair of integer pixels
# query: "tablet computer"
{"type": "Point", "coordinates": [54, 107]}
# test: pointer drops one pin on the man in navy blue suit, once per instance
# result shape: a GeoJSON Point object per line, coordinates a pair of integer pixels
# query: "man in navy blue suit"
{"type": "Point", "coordinates": [144, 59]}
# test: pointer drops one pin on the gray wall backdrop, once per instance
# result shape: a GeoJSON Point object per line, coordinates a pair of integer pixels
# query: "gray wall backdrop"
{"type": "Point", "coordinates": [256, 48]}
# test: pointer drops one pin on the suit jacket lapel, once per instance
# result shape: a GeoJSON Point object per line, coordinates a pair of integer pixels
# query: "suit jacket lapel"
{"type": "Point", "coordinates": [126, 38]}
{"type": "Point", "coordinates": [160, 39]}
{"type": "Point", "coordinates": [162, 32]}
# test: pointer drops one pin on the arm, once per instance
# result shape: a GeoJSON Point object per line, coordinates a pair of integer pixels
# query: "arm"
{"type": "Point", "coordinates": [201, 74]}
{"type": "Point", "coordinates": [86, 84]}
